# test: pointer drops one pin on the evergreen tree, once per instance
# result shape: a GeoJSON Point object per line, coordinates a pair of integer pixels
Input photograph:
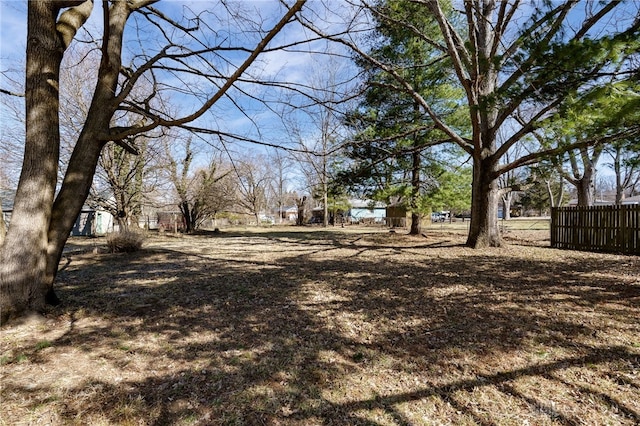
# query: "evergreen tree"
{"type": "Point", "coordinates": [518, 63]}
{"type": "Point", "coordinates": [393, 154]}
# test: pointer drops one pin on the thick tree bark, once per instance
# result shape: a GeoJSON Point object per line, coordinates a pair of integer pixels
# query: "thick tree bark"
{"type": "Point", "coordinates": [301, 203]}
{"type": "Point", "coordinates": [584, 188]}
{"type": "Point", "coordinates": [483, 229]}
{"type": "Point", "coordinates": [23, 255]}
{"type": "Point", "coordinates": [84, 159]}
{"type": "Point", "coordinates": [582, 176]}
{"type": "Point", "coordinates": [186, 214]}
{"type": "Point", "coordinates": [37, 237]}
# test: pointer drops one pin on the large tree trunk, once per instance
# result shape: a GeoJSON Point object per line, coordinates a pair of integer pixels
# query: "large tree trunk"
{"type": "Point", "coordinates": [583, 175]}
{"type": "Point", "coordinates": [23, 255]}
{"type": "Point", "coordinates": [619, 198]}
{"type": "Point", "coordinates": [84, 159]}
{"type": "Point", "coordinates": [186, 214]}
{"type": "Point", "coordinates": [584, 185]}
{"type": "Point", "coordinates": [584, 188]}
{"type": "Point", "coordinates": [485, 194]}
{"type": "Point", "coordinates": [36, 238]}
{"type": "Point", "coordinates": [74, 191]}
{"type": "Point", "coordinates": [483, 229]}
{"type": "Point", "coordinates": [302, 204]}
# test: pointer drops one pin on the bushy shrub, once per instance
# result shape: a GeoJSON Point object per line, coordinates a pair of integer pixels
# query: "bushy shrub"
{"type": "Point", "coordinates": [126, 241]}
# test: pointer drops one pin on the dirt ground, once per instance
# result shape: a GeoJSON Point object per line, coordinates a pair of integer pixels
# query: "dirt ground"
{"type": "Point", "coordinates": [353, 326]}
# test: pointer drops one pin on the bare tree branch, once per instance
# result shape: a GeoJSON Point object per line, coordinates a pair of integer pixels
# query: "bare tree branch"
{"type": "Point", "coordinates": [230, 81]}
{"type": "Point", "coordinates": [595, 141]}
{"type": "Point", "coordinates": [10, 93]}
{"type": "Point", "coordinates": [72, 19]}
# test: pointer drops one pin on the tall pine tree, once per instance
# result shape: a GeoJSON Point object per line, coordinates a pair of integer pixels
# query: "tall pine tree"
{"type": "Point", "coordinates": [393, 154]}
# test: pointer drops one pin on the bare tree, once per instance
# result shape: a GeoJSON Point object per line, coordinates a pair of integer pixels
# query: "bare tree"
{"type": "Point", "coordinates": [320, 129]}
{"type": "Point", "coordinates": [42, 218]}
{"type": "Point", "coordinates": [181, 180]}
{"type": "Point", "coordinates": [280, 165]}
{"type": "Point", "coordinates": [123, 181]}
{"type": "Point", "coordinates": [581, 172]}
{"type": "Point", "coordinates": [512, 182]}
{"type": "Point", "coordinates": [253, 177]}
{"type": "Point", "coordinates": [625, 163]}
{"type": "Point", "coordinates": [12, 128]}
{"type": "Point", "coordinates": [200, 191]}
{"type": "Point", "coordinates": [219, 190]}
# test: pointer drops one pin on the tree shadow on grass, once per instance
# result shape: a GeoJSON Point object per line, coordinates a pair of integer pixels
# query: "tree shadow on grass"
{"type": "Point", "coordinates": [360, 338]}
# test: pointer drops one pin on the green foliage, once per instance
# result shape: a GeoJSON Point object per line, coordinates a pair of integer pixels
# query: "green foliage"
{"type": "Point", "coordinates": [338, 203]}
{"type": "Point", "coordinates": [599, 112]}
{"type": "Point", "coordinates": [535, 198]}
{"type": "Point", "coordinates": [552, 66]}
{"type": "Point", "coordinates": [392, 126]}
{"type": "Point", "coordinates": [453, 191]}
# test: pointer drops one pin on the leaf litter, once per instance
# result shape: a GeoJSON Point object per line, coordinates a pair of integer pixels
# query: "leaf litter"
{"type": "Point", "coordinates": [289, 326]}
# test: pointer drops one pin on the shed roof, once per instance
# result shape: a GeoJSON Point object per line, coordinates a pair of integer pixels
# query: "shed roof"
{"type": "Point", "coordinates": [366, 204]}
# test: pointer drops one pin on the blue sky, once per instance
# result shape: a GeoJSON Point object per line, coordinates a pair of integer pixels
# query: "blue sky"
{"type": "Point", "coordinates": [13, 35]}
{"type": "Point", "coordinates": [254, 121]}
{"type": "Point", "coordinates": [259, 123]}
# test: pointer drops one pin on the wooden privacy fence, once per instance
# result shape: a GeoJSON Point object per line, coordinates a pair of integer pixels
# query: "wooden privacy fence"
{"type": "Point", "coordinates": [597, 228]}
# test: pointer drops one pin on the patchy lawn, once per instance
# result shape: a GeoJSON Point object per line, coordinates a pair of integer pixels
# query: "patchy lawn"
{"type": "Point", "coordinates": [347, 326]}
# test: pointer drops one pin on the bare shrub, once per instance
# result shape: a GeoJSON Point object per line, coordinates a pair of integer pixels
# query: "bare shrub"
{"type": "Point", "coordinates": [126, 241]}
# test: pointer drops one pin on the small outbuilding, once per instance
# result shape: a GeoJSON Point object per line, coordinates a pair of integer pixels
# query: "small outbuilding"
{"type": "Point", "coordinates": [366, 211]}
{"type": "Point", "coordinates": [398, 215]}
{"type": "Point", "coordinates": [92, 222]}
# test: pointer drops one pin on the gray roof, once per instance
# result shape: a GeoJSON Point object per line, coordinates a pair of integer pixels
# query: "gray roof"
{"type": "Point", "coordinates": [366, 204]}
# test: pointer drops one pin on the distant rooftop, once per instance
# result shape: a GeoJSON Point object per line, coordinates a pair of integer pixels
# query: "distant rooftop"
{"type": "Point", "coordinates": [366, 204]}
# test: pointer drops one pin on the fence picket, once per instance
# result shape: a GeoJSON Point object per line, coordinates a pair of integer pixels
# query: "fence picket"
{"type": "Point", "coordinates": [598, 228]}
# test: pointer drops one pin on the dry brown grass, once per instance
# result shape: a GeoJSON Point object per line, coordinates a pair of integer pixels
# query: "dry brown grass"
{"type": "Point", "coordinates": [313, 327]}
